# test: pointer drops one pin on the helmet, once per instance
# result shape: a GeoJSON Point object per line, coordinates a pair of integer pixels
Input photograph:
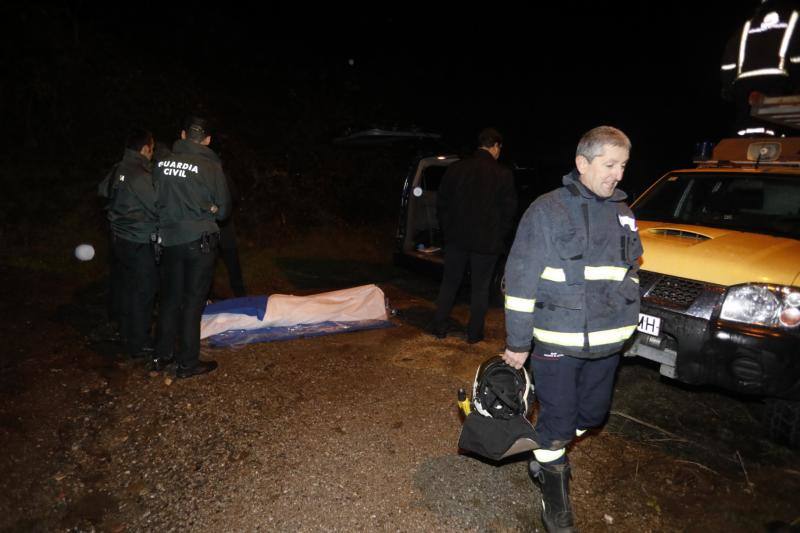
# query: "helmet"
{"type": "Point", "coordinates": [500, 390]}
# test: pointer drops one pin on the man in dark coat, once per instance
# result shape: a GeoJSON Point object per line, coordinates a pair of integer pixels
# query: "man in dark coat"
{"type": "Point", "coordinates": [476, 203]}
{"type": "Point", "coordinates": [228, 249]}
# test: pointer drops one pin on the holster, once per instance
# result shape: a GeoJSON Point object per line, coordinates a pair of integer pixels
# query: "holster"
{"type": "Point", "coordinates": [155, 240]}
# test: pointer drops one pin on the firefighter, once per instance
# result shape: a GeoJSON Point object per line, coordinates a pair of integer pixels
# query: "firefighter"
{"type": "Point", "coordinates": [571, 283]}
{"type": "Point", "coordinates": [763, 55]}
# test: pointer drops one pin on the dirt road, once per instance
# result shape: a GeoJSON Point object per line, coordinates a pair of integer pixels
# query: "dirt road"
{"type": "Point", "coordinates": [349, 432]}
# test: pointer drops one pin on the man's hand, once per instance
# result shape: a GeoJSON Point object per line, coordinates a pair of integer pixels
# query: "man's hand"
{"type": "Point", "coordinates": [515, 359]}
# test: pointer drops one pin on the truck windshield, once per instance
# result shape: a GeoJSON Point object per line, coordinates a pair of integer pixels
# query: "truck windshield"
{"type": "Point", "coordinates": [766, 203]}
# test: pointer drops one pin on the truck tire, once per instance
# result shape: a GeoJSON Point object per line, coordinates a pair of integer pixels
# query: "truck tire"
{"type": "Point", "coordinates": [497, 289]}
{"type": "Point", "coordinates": [782, 421]}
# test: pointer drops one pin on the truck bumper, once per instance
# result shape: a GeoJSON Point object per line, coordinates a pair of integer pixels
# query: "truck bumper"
{"type": "Point", "coordinates": [732, 356]}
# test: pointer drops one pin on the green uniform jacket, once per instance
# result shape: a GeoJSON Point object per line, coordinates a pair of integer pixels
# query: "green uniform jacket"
{"type": "Point", "coordinates": [132, 198]}
{"type": "Point", "coordinates": [188, 184]}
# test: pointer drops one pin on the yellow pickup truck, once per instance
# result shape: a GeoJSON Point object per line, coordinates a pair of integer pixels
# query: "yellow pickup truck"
{"type": "Point", "coordinates": [720, 275]}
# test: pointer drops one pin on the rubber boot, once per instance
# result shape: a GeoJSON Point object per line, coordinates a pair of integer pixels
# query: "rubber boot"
{"type": "Point", "coordinates": [553, 480]}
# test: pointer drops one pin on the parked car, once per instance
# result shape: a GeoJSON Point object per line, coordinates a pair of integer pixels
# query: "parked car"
{"type": "Point", "coordinates": [720, 276]}
{"type": "Point", "coordinates": [419, 238]}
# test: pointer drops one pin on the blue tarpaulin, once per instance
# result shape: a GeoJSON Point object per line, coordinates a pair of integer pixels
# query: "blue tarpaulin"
{"type": "Point", "coordinates": [247, 305]}
{"type": "Point", "coordinates": [280, 333]}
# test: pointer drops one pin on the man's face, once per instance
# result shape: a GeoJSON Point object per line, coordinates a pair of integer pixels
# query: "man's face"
{"type": "Point", "coordinates": [148, 150]}
{"type": "Point", "coordinates": [605, 171]}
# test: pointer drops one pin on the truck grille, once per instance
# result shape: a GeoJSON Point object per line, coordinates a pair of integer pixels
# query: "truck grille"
{"type": "Point", "coordinates": [668, 290]}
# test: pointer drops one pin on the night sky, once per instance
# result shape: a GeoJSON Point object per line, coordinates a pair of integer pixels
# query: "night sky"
{"type": "Point", "coordinates": [542, 75]}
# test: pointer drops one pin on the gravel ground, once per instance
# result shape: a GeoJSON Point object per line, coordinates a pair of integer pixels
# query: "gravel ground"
{"type": "Point", "coordinates": [349, 432]}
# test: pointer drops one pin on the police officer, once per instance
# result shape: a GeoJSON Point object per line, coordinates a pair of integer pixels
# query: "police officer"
{"type": "Point", "coordinates": [571, 279]}
{"type": "Point", "coordinates": [132, 214]}
{"type": "Point", "coordinates": [192, 196]}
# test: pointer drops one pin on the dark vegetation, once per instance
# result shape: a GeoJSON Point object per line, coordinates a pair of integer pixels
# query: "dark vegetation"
{"type": "Point", "coordinates": [78, 80]}
{"type": "Point", "coordinates": [280, 85]}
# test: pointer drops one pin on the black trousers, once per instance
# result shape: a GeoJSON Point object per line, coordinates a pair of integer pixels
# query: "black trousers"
{"type": "Point", "coordinates": [455, 264]}
{"type": "Point", "coordinates": [573, 393]}
{"type": "Point", "coordinates": [115, 303]}
{"type": "Point", "coordinates": [136, 278]}
{"type": "Point", "coordinates": [186, 273]}
{"type": "Point", "coordinates": [230, 256]}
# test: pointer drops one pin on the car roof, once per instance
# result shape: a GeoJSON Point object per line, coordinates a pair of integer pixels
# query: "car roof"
{"type": "Point", "coordinates": [761, 169]}
{"type": "Point", "coordinates": [377, 136]}
{"type": "Point", "coordinates": [755, 155]}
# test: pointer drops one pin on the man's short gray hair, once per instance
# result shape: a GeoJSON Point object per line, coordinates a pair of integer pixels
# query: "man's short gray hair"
{"type": "Point", "coordinates": [592, 143]}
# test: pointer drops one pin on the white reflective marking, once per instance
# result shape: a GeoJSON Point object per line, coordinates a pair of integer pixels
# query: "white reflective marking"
{"type": "Point", "coordinates": [630, 222]}
{"type": "Point", "coordinates": [610, 336]}
{"type": "Point", "coordinates": [547, 456]}
{"type": "Point", "coordinates": [749, 131]}
{"type": "Point", "coordinates": [771, 19]}
{"type": "Point", "coordinates": [554, 274]}
{"type": "Point", "coordinates": [604, 273]}
{"type": "Point", "coordinates": [558, 337]}
{"type": "Point", "coordinates": [523, 305]}
{"type": "Point", "coordinates": [743, 45]}
{"type": "Point", "coordinates": [763, 72]}
{"type": "Point", "coordinates": [787, 37]}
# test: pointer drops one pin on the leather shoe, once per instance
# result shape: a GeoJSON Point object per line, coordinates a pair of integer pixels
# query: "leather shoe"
{"type": "Point", "coordinates": [202, 367]}
{"type": "Point", "coordinates": [161, 363]}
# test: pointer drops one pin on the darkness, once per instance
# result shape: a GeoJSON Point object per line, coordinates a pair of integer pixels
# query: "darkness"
{"type": "Point", "coordinates": [281, 84]}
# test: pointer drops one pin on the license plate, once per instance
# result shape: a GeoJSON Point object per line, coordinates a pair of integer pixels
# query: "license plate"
{"type": "Point", "coordinates": [649, 324]}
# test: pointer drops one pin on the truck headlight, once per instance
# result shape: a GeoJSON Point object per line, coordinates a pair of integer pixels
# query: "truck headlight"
{"type": "Point", "coordinates": [762, 305]}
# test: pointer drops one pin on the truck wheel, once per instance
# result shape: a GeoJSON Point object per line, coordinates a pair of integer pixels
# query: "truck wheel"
{"type": "Point", "coordinates": [497, 290]}
{"type": "Point", "coordinates": [782, 421]}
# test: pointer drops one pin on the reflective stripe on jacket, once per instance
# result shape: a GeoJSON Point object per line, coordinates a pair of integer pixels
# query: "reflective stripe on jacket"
{"type": "Point", "coordinates": [571, 275]}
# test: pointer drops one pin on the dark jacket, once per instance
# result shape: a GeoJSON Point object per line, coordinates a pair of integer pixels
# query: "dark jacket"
{"type": "Point", "coordinates": [227, 228]}
{"type": "Point", "coordinates": [188, 183]}
{"type": "Point", "coordinates": [752, 59]}
{"type": "Point", "coordinates": [476, 203]}
{"type": "Point", "coordinates": [131, 198]}
{"type": "Point", "coordinates": [571, 275]}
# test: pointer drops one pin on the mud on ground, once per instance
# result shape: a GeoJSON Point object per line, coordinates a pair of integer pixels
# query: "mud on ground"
{"type": "Point", "coordinates": [349, 432]}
